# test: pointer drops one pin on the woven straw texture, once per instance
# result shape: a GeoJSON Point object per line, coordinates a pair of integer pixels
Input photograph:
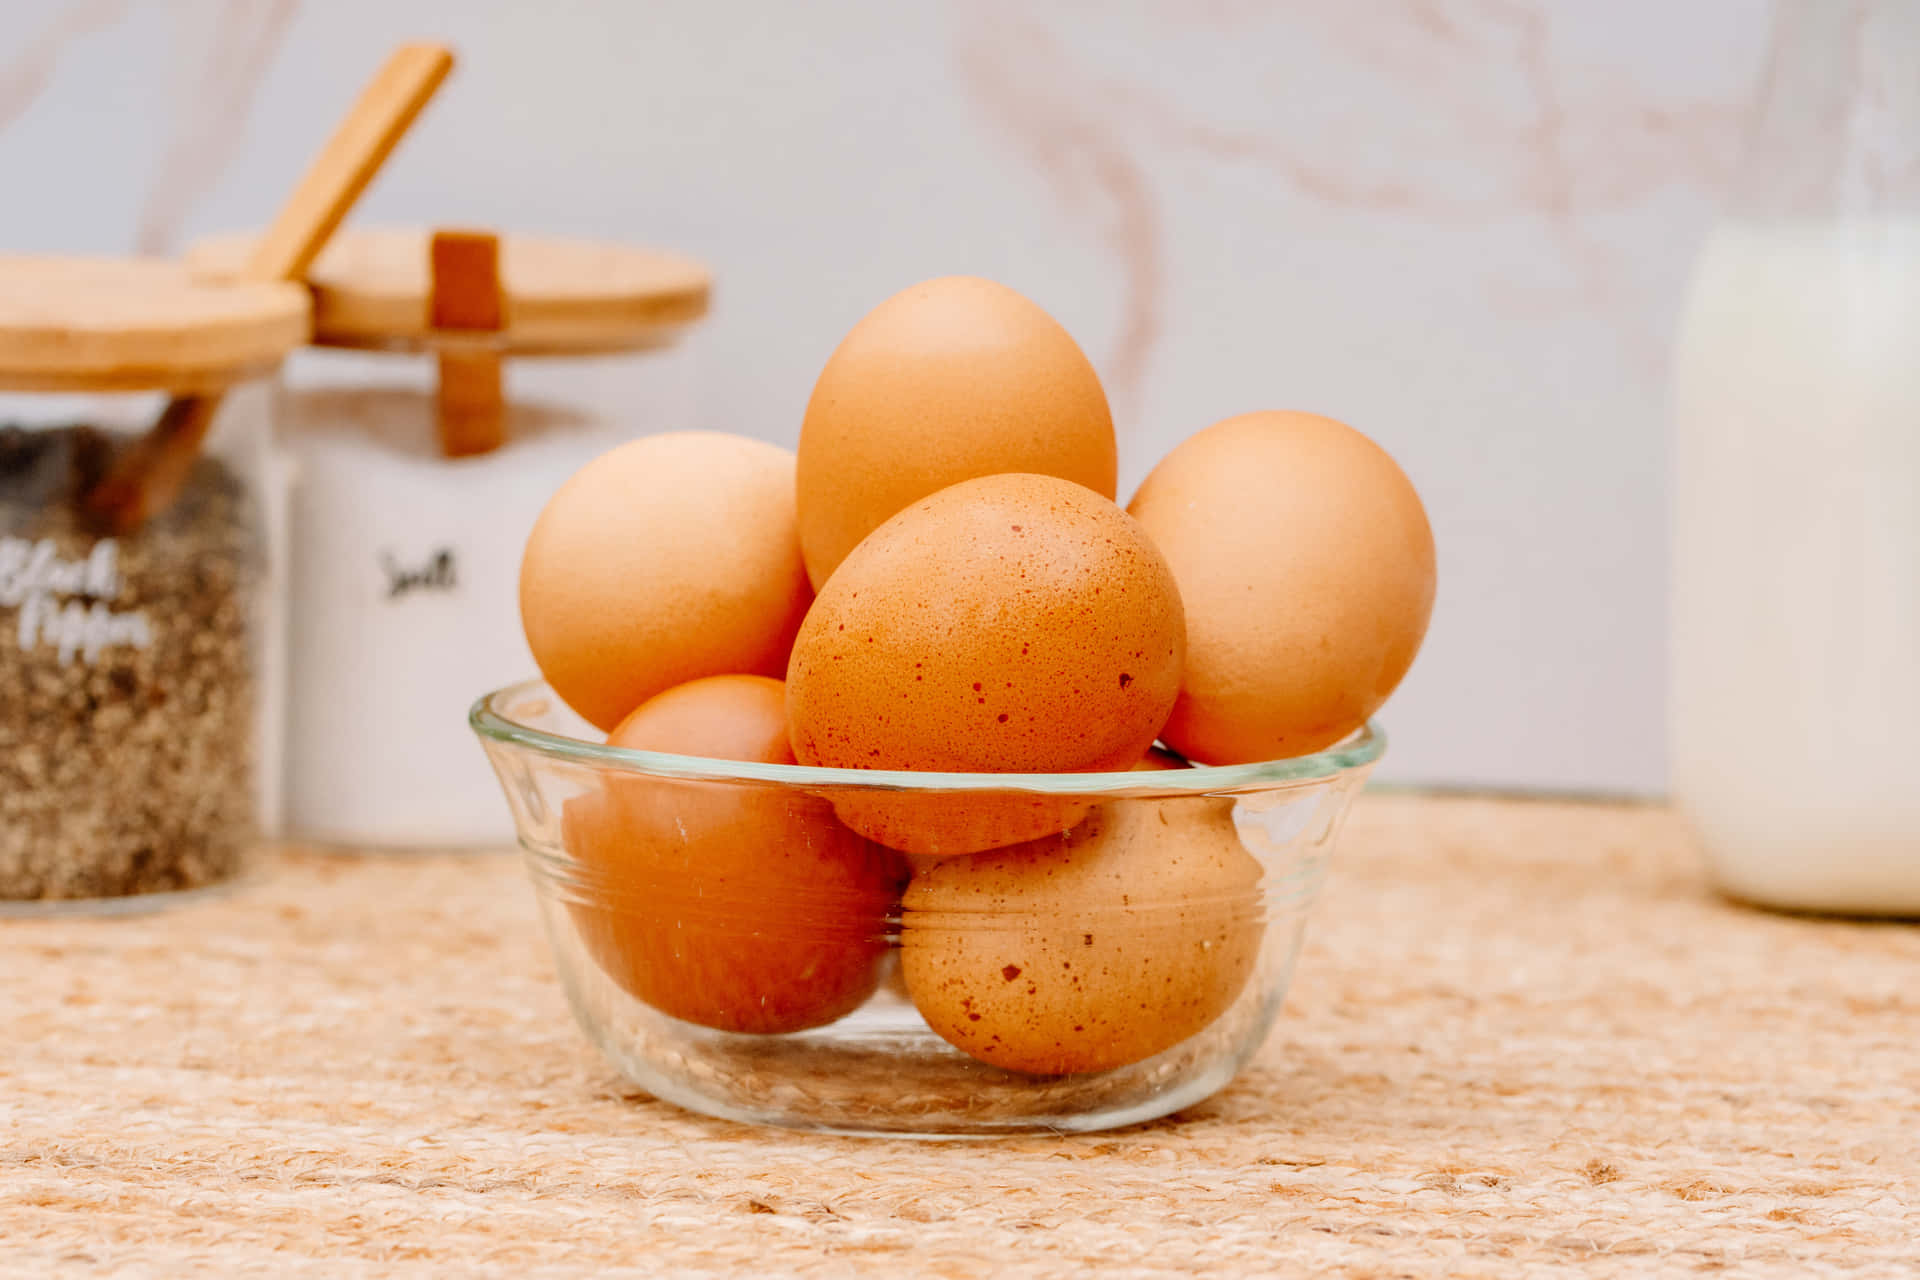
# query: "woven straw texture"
{"type": "Point", "coordinates": [1524, 1040]}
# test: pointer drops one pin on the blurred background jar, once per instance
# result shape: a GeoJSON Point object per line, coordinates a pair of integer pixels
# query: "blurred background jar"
{"type": "Point", "coordinates": [457, 379]}
{"type": "Point", "coordinates": [1796, 567]}
{"type": "Point", "coordinates": [142, 608]}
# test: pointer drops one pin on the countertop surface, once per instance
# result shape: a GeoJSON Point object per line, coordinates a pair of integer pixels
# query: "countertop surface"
{"type": "Point", "coordinates": [1524, 1039]}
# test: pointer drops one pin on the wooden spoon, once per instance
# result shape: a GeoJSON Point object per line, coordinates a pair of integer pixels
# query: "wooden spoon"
{"type": "Point", "coordinates": [147, 476]}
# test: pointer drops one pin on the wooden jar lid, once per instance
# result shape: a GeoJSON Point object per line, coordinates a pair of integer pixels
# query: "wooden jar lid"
{"type": "Point", "coordinates": [372, 288]}
{"type": "Point", "coordinates": [131, 324]}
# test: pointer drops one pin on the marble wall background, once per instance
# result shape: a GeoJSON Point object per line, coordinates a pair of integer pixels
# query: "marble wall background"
{"type": "Point", "coordinates": [1462, 225]}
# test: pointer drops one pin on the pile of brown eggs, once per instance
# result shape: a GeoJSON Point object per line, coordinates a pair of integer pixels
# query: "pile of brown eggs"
{"type": "Point", "coordinates": [941, 580]}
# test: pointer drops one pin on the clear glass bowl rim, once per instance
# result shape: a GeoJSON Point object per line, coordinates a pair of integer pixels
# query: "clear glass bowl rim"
{"type": "Point", "coordinates": [489, 719]}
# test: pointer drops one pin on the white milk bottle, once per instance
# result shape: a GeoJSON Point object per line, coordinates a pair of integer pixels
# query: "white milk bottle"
{"type": "Point", "coordinates": [1795, 703]}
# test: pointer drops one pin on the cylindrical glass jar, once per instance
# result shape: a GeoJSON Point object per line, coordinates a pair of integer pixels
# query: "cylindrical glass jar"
{"type": "Point", "coordinates": [405, 560]}
{"type": "Point", "coordinates": [1796, 568]}
{"type": "Point", "coordinates": [141, 644]}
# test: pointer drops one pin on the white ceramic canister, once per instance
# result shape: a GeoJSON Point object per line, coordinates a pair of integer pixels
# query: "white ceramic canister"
{"type": "Point", "coordinates": [1796, 569]}
{"type": "Point", "coordinates": [405, 560]}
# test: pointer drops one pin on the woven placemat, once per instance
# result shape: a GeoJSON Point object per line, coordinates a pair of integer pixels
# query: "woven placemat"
{"type": "Point", "coordinates": [1524, 1039]}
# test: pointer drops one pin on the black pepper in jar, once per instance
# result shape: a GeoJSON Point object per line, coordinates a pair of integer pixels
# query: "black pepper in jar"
{"type": "Point", "coordinates": [127, 678]}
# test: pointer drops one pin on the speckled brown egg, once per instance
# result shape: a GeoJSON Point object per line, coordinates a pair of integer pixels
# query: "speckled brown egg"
{"type": "Point", "coordinates": [1089, 951]}
{"type": "Point", "coordinates": [1009, 624]}
{"type": "Point", "coordinates": [1306, 564]}
{"type": "Point", "coordinates": [667, 559]}
{"type": "Point", "coordinates": [953, 378]}
{"type": "Point", "coordinates": [736, 907]}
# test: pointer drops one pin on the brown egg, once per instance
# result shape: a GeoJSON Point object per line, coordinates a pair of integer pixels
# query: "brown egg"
{"type": "Point", "coordinates": [950, 379]}
{"type": "Point", "coordinates": [1010, 624]}
{"type": "Point", "coordinates": [1306, 564]}
{"type": "Point", "coordinates": [734, 907]}
{"type": "Point", "coordinates": [1088, 951]}
{"type": "Point", "coordinates": [667, 559]}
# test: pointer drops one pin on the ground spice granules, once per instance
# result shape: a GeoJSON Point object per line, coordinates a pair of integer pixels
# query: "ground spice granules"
{"type": "Point", "coordinates": [127, 678]}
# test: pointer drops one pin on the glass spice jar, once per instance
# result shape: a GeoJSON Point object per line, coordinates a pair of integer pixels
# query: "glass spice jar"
{"type": "Point", "coordinates": [456, 380]}
{"type": "Point", "coordinates": [140, 641]}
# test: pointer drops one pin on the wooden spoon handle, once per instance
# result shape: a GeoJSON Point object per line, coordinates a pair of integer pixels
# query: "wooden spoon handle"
{"type": "Point", "coordinates": [147, 476]}
{"type": "Point", "coordinates": [144, 480]}
{"type": "Point", "coordinates": [355, 152]}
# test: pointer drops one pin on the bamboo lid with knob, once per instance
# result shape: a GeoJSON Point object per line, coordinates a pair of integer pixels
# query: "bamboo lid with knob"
{"type": "Point", "coordinates": [373, 288]}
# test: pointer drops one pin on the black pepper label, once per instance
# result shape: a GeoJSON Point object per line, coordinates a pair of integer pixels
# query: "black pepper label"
{"type": "Point", "coordinates": [65, 602]}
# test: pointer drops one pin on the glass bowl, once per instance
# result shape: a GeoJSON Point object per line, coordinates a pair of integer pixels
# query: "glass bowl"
{"type": "Point", "coordinates": [731, 947]}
